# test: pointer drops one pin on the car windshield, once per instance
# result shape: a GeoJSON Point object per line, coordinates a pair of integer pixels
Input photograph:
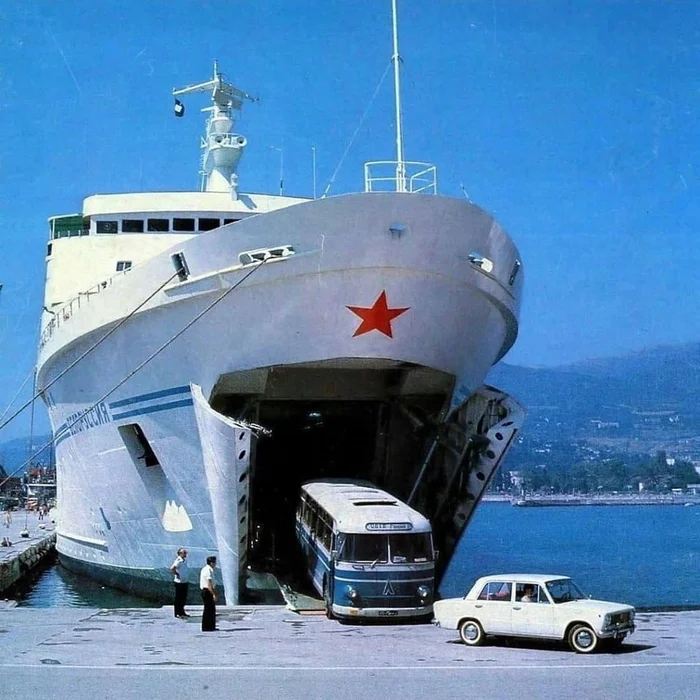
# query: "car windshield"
{"type": "Point", "coordinates": [563, 590]}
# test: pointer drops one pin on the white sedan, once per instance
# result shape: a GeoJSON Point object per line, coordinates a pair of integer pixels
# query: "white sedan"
{"type": "Point", "coordinates": [534, 605]}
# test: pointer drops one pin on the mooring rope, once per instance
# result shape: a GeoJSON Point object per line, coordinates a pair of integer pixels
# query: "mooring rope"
{"type": "Point", "coordinates": [77, 419]}
{"type": "Point", "coordinates": [37, 394]}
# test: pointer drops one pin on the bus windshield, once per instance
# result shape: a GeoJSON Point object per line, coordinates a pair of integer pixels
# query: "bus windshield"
{"type": "Point", "coordinates": [411, 548]}
{"type": "Point", "coordinates": [399, 549]}
{"type": "Point", "coordinates": [372, 548]}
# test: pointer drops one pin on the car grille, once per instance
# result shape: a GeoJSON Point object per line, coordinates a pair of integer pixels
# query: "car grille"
{"type": "Point", "coordinates": [620, 618]}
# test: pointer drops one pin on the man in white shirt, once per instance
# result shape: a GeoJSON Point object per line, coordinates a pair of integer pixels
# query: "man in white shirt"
{"type": "Point", "coordinates": [180, 572]}
{"type": "Point", "coordinates": [209, 596]}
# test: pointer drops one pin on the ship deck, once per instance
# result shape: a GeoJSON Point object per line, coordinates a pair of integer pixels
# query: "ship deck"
{"type": "Point", "coordinates": [264, 652]}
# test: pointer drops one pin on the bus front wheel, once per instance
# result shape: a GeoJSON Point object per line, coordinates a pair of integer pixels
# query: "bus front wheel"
{"type": "Point", "coordinates": [327, 601]}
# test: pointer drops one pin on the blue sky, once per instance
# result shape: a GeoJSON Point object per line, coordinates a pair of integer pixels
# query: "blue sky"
{"type": "Point", "coordinates": [574, 122]}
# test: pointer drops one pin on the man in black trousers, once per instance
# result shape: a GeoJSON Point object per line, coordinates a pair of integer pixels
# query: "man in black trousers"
{"type": "Point", "coordinates": [180, 571]}
{"type": "Point", "coordinates": [209, 596]}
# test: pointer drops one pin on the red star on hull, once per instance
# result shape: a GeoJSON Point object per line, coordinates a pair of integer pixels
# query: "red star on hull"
{"type": "Point", "coordinates": [376, 318]}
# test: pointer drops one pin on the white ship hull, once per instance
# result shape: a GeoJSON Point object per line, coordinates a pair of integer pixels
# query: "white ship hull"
{"type": "Point", "coordinates": [286, 333]}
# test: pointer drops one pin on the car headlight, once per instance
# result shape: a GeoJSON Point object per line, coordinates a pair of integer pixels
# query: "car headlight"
{"type": "Point", "coordinates": [351, 592]}
{"type": "Point", "coordinates": [423, 591]}
{"type": "Point", "coordinates": [607, 620]}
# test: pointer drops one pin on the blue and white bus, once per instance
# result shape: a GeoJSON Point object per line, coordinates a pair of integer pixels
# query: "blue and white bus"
{"type": "Point", "coordinates": [367, 553]}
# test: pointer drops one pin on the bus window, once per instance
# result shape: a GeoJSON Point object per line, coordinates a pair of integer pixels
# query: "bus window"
{"type": "Point", "coordinates": [410, 548]}
{"type": "Point", "coordinates": [365, 548]}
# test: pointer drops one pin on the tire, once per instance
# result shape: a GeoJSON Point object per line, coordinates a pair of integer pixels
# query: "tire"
{"type": "Point", "coordinates": [471, 633]}
{"type": "Point", "coordinates": [582, 639]}
{"type": "Point", "coordinates": [328, 602]}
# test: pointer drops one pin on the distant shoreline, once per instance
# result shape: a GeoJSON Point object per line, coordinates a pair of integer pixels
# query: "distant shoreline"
{"type": "Point", "coordinates": [596, 500]}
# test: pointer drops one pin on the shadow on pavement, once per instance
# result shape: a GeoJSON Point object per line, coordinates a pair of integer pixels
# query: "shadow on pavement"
{"type": "Point", "coordinates": [555, 645]}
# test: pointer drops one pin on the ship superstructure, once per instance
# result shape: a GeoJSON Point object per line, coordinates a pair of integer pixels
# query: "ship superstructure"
{"type": "Point", "coordinates": [204, 353]}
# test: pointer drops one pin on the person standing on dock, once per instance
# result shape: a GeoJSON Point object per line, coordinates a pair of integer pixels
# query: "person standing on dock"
{"type": "Point", "coordinates": [209, 596]}
{"type": "Point", "coordinates": [8, 518]}
{"type": "Point", "coordinates": [180, 572]}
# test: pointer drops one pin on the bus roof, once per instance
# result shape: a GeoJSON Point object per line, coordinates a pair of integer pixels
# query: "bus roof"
{"type": "Point", "coordinates": [360, 507]}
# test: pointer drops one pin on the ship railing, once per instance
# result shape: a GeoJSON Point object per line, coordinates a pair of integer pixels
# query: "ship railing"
{"type": "Point", "coordinates": [64, 313]}
{"type": "Point", "coordinates": [387, 176]}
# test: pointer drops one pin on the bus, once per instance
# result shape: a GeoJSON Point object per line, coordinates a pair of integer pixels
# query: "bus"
{"type": "Point", "coordinates": [368, 554]}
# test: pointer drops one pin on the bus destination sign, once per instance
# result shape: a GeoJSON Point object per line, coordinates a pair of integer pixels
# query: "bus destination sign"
{"type": "Point", "coordinates": [379, 527]}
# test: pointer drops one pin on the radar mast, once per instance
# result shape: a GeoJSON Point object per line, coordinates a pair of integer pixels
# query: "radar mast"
{"type": "Point", "coordinates": [221, 148]}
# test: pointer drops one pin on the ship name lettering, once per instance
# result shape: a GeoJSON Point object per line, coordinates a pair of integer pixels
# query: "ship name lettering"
{"type": "Point", "coordinates": [97, 415]}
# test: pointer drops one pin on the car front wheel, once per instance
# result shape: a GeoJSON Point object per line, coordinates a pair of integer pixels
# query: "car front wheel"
{"type": "Point", "coordinates": [582, 639]}
{"type": "Point", "coordinates": [471, 633]}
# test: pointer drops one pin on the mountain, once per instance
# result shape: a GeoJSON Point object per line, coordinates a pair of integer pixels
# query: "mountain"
{"type": "Point", "coordinates": [668, 376]}
{"type": "Point", "coordinates": [15, 452]}
{"type": "Point", "coordinates": [640, 403]}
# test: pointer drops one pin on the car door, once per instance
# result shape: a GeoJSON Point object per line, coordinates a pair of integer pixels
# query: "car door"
{"type": "Point", "coordinates": [532, 611]}
{"type": "Point", "coordinates": [493, 607]}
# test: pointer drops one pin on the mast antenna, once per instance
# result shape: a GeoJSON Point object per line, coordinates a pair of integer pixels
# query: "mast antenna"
{"type": "Point", "coordinates": [396, 58]}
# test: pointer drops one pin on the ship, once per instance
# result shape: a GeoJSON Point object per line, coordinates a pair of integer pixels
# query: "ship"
{"type": "Point", "coordinates": [204, 353]}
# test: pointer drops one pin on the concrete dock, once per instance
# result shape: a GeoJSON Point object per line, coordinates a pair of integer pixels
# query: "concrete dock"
{"type": "Point", "coordinates": [26, 552]}
{"type": "Point", "coordinates": [269, 652]}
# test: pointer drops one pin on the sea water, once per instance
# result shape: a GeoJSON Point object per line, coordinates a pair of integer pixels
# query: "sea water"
{"type": "Point", "coordinates": [648, 556]}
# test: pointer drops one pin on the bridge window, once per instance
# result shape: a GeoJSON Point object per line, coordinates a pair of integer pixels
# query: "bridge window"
{"type": "Point", "coordinates": [132, 226]}
{"type": "Point", "coordinates": [49, 249]}
{"type": "Point", "coordinates": [159, 225]}
{"type": "Point", "coordinates": [69, 226]}
{"type": "Point", "coordinates": [208, 224]}
{"type": "Point", "coordinates": [183, 224]}
{"type": "Point", "coordinates": [123, 265]}
{"type": "Point", "coordinates": [230, 221]}
{"type": "Point", "coordinates": [106, 226]}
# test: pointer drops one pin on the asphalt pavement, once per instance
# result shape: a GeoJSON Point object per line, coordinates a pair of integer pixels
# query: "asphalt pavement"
{"type": "Point", "coordinates": [270, 652]}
